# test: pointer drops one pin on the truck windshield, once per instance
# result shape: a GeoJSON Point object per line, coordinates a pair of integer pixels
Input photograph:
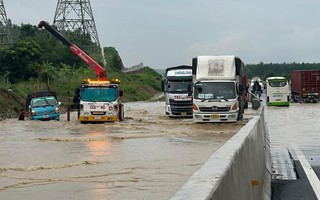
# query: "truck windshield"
{"type": "Point", "coordinates": [99, 94]}
{"type": "Point", "coordinates": [216, 90]}
{"type": "Point", "coordinates": [43, 101]}
{"type": "Point", "coordinates": [178, 86]}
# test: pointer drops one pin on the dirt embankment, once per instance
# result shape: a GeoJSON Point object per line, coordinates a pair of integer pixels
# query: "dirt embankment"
{"type": "Point", "coordinates": [10, 104]}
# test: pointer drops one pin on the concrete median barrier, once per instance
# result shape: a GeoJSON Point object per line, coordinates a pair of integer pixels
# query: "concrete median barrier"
{"type": "Point", "coordinates": [239, 170]}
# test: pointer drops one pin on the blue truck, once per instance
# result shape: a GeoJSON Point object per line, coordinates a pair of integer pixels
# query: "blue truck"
{"type": "Point", "coordinates": [43, 106]}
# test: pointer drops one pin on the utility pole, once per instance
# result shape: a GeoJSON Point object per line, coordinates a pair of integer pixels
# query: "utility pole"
{"type": "Point", "coordinates": [5, 37]}
{"type": "Point", "coordinates": [77, 16]}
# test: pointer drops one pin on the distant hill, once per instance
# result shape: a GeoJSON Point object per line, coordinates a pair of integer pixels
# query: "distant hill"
{"type": "Point", "coordinates": [162, 72]}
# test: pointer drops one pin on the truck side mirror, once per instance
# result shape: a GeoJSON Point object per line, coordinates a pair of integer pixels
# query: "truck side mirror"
{"type": "Point", "coordinates": [162, 85]}
{"type": "Point", "coordinates": [121, 93]}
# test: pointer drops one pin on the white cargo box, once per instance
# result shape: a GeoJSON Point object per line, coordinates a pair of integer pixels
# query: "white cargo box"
{"type": "Point", "coordinates": [216, 68]}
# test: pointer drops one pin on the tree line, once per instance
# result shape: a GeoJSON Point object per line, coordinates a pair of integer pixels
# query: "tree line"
{"type": "Point", "coordinates": [37, 57]}
{"type": "Point", "coordinates": [33, 47]}
{"type": "Point", "coordinates": [264, 70]}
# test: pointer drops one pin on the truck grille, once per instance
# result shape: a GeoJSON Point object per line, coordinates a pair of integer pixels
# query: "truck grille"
{"type": "Point", "coordinates": [214, 109]}
{"type": "Point", "coordinates": [178, 107]}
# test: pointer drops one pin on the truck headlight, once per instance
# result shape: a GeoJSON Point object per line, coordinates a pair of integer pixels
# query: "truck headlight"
{"type": "Point", "coordinates": [168, 108]}
{"type": "Point", "coordinates": [56, 109]}
{"type": "Point", "coordinates": [33, 112]}
{"type": "Point", "coordinates": [234, 107]}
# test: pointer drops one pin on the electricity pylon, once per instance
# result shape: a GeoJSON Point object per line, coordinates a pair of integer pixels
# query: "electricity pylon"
{"type": "Point", "coordinates": [5, 37]}
{"type": "Point", "coordinates": [77, 16]}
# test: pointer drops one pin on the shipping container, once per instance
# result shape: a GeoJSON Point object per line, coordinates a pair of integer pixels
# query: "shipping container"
{"type": "Point", "coordinates": [305, 85]}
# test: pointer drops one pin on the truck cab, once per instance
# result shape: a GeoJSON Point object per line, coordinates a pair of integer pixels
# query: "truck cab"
{"type": "Point", "coordinates": [44, 108]}
{"type": "Point", "coordinates": [218, 89]}
{"type": "Point", "coordinates": [99, 101]}
{"type": "Point", "coordinates": [178, 103]}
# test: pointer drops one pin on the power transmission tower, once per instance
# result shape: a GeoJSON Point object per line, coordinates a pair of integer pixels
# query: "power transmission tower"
{"type": "Point", "coordinates": [77, 16]}
{"type": "Point", "coordinates": [5, 37]}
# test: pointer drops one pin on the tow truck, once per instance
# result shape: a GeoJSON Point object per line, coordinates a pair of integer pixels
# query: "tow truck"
{"type": "Point", "coordinates": [97, 100]}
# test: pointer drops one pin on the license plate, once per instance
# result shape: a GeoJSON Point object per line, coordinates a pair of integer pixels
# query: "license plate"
{"type": "Point", "coordinates": [45, 116]}
{"type": "Point", "coordinates": [183, 114]}
{"type": "Point", "coordinates": [214, 116]}
{"type": "Point", "coordinates": [277, 95]}
{"type": "Point", "coordinates": [98, 117]}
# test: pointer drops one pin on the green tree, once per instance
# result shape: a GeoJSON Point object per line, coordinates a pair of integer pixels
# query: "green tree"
{"type": "Point", "coordinates": [21, 60]}
{"type": "Point", "coordinates": [112, 58]}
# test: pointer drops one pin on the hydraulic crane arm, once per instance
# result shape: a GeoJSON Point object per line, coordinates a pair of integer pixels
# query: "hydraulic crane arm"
{"type": "Point", "coordinates": [100, 71]}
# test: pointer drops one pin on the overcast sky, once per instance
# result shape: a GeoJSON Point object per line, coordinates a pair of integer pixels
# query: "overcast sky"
{"type": "Point", "coordinates": [164, 33]}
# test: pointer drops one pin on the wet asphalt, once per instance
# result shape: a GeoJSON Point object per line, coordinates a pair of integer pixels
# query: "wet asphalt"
{"type": "Point", "coordinates": [299, 189]}
{"type": "Point", "coordinates": [298, 124]}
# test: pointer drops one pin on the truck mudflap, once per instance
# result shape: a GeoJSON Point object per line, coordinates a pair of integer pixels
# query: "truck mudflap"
{"type": "Point", "coordinates": [214, 117]}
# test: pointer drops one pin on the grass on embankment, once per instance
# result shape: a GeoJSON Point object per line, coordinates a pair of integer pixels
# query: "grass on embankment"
{"type": "Point", "coordinates": [137, 86]}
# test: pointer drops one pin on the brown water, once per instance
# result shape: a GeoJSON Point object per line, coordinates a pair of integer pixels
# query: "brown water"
{"type": "Point", "coordinates": [147, 156]}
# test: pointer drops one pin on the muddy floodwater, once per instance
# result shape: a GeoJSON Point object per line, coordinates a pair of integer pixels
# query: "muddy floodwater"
{"type": "Point", "coordinates": [147, 156]}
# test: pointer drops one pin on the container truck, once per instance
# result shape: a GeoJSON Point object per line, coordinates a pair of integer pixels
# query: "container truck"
{"type": "Point", "coordinates": [305, 85]}
{"type": "Point", "coordinates": [219, 88]}
{"type": "Point", "coordinates": [178, 103]}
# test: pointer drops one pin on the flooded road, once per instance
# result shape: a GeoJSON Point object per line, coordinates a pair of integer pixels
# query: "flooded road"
{"type": "Point", "coordinates": [147, 156]}
{"type": "Point", "coordinates": [297, 124]}
{"type": "Point", "coordinates": [295, 152]}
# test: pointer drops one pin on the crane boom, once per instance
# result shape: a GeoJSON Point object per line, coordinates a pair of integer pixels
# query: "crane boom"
{"type": "Point", "coordinates": [100, 71]}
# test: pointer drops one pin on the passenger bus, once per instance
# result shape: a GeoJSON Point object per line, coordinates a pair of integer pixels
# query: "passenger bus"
{"type": "Point", "coordinates": [278, 91]}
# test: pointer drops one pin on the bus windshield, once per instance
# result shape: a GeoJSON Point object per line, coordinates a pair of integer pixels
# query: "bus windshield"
{"type": "Point", "coordinates": [277, 83]}
{"type": "Point", "coordinates": [214, 90]}
{"type": "Point", "coordinates": [178, 86]}
{"type": "Point", "coordinates": [99, 94]}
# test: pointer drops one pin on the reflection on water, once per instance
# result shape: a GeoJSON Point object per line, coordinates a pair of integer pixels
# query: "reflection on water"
{"type": "Point", "coordinates": [98, 147]}
{"type": "Point", "coordinates": [147, 156]}
{"type": "Point", "coordinates": [299, 124]}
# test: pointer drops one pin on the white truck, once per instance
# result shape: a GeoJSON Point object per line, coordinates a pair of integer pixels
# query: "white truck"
{"type": "Point", "coordinates": [219, 88]}
{"type": "Point", "coordinates": [175, 87]}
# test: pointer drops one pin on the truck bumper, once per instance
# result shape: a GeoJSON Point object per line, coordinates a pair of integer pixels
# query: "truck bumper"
{"type": "Point", "coordinates": [178, 111]}
{"type": "Point", "coordinates": [55, 116]}
{"type": "Point", "coordinates": [215, 117]}
{"type": "Point", "coordinates": [98, 118]}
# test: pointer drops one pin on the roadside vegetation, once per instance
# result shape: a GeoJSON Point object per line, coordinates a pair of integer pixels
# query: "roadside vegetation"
{"type": "Point", "coordinates": [265, 70]}
{"type": "Point", "coordinates": [37, 57]}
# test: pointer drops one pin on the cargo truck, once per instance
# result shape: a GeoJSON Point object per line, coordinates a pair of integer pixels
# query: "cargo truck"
{"type": "Point", "coordinates": [219, 88]}
{"type": "Point", "coordinates": [305, 85]}
{"type": "Point", "coordinates": [43, 105]}
{"type": "Point", "coordinates": [175, 87]}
